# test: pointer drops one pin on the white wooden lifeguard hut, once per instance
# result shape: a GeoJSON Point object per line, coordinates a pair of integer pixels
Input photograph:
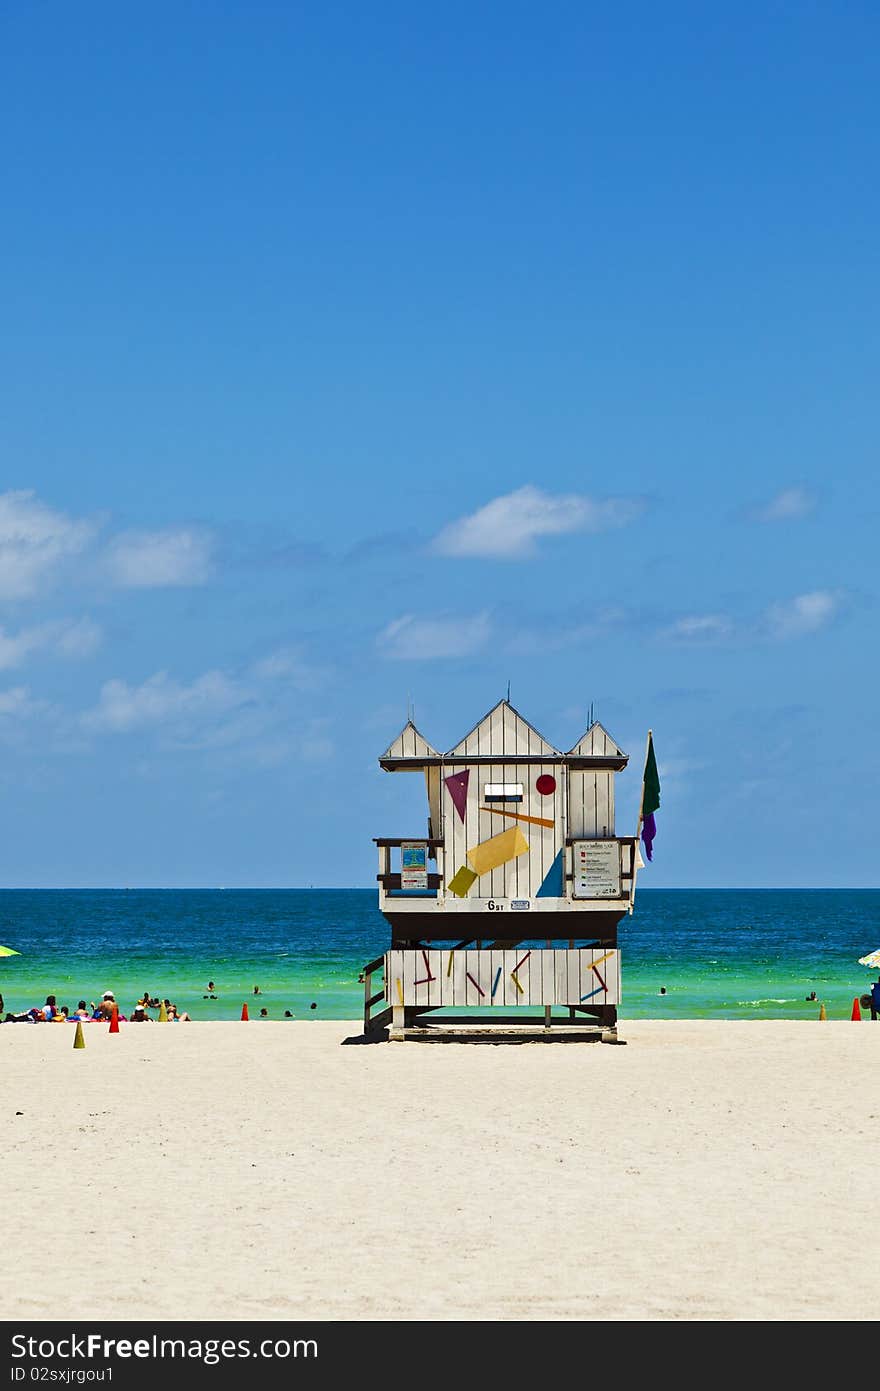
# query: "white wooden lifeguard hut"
{"type": "Point", "coordinates": [513, 898]}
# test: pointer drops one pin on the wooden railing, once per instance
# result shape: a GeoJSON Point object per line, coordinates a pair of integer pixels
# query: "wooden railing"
{"type": "Point", "coordinates": [382, 1017]}
{"type": "Point", "coordinates": [393, 881]}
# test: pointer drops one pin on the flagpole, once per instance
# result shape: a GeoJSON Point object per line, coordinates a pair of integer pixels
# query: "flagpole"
{"type": "Point", "coordinates": [642, 798]}
{"type": "Point", "coordinates": [632, 895]}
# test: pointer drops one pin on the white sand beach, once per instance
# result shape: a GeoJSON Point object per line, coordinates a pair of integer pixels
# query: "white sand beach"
{"type": "Point", "coordinates": [708, 1170]}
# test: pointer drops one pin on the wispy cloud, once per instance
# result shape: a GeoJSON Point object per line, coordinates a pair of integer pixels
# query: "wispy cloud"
{"type": "Point", "coordinates": [789, 505]}
{"type": "Point", "coordinates": [289, 665]}
{"type": "Point", "coordinates": [805, 613]}
{"type": "Point", "coordinates": [781, 620]}
{"type": "Point", "coordinates": [161, 700]}
{"type": "Point", "coordinates": [15, 701]}
{"type": "Point", "coordinates": [696, 628]}
{"type": "Point", "coordinates": [177, 556]}
{"type": "Point", "coordinates": [79, 638]}
{"type": "Point", "coordinates": [252, 713]}
{"type": "Point", "coordinates": [412, 638]}
{"type": "Point", "coordinates": [509, 527]}
{"type": "Point", "coordinates": [34, 540]}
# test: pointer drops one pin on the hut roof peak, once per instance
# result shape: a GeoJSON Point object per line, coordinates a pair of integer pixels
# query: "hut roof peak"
{"type": "Point", "coordinates": [596, 742]}
{"type": "Point", "coordinates": [504, 731]}
{"type": "Point", "coordinates": [410, 743]}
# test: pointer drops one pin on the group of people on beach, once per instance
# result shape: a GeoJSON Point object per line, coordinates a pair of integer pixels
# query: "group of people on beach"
{"type": "Point", "coordinates": [94, 1013]}
{"type": "Point", "coordinates": [102, 1010]}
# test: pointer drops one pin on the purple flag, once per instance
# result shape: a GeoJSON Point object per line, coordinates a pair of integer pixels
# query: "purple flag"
{"type": "Point", "coordinates": [649, 830]}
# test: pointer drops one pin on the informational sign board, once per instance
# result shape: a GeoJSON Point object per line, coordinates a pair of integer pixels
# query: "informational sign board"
{"type": "Point", "coordinates": [596, 869]}
{"type": "Point", "coordinates": [413, 865]}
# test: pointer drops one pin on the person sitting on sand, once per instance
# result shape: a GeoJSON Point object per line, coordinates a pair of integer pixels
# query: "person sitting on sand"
{"type": "Point", "coordinates": [60, 1016]}
{"type": "Point", "coordinates": [875, 999]}
{"type": "Point", "coordinates": [139, 1015]}
{"type": "Point", "coordinates": [105, 1009]}
{"type": "Point", "coordinates": [50, 1007]}
{"type": "Point", "coordinates": [175, 1017]}
{"type": "Point", "coordinates": [81, 1011]}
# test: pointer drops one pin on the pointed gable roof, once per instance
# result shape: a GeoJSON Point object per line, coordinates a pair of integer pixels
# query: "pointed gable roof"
{"type": "Point", "coordinates": [503, 735]}
{"type": "Point", "coordinates": [596, 749]}
{"type": "Point", "coordinates": [409, 744]}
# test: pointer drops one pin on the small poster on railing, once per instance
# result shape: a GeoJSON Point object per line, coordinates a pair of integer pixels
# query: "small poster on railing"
{"type": "Point", "coordinates": [413, 865]}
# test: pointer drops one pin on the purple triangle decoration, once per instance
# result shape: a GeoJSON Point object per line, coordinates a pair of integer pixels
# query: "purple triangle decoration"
{"type": "Point", "coordinates": [458, 789]}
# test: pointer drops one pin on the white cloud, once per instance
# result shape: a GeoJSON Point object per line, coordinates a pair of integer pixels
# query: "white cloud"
{"type": "Point", "coordinates": [160, 559]}
{"type": "Point", "coordinates": [708, 627]}
{"type": "Point", "coordinates": [508, 527]}
{"type": "Point", "coordinates": [161, 700]}
{"type": "Point", "coordinates": [789, 505]}
{"type": "Point", "coordinates": [34, 539]}
{"type": "Point", "coordinates": [67, 639]}
{"type": "Point", "coordinates": [412, 638]}
{"type": "Point", "coordinates": [805, 613]}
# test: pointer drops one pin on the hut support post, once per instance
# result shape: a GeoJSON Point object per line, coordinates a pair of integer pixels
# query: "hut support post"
{"type": "Point", "coordinates": [609, 1024]}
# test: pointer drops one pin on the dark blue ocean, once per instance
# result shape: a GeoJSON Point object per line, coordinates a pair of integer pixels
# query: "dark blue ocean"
{"type": "Point", "coordinates": [723, 954]}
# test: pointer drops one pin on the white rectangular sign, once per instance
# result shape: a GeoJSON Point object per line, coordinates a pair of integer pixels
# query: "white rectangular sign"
{"type": "Point", "coordinates": [596, 868]}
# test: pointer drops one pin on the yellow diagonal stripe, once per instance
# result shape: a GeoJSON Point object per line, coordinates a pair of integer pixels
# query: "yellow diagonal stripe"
{"type": "Point", "coordinates": [489, 854]}
{"type": "Point", "coordinates": [599, 960]}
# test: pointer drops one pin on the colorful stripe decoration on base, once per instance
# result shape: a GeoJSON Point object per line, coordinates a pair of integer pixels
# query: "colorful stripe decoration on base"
{"type": "Point", "coordinates": [537, 976]}
{"type": "Point", "coordinates": [650, 798]}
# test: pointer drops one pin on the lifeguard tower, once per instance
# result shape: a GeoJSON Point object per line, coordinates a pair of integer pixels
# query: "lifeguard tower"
{"type": "Point", "coordinates": [512, 899]}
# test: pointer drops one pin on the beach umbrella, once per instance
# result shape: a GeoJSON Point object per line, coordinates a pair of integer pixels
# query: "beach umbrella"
{"type": "Point", "coordinates": [8, 951]}
{"type": "Point", "coordinates": [872, 960]}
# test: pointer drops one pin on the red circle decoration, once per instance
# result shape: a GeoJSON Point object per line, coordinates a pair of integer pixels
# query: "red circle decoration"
{"type": "Point", "coordinates": [546, 784]}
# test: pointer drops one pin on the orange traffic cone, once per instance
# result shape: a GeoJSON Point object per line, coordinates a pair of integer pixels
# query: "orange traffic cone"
{"type": "Point", "coordinates": [244, 1013]}
{"type": "Point", "coordinates": [822, 1014]}
{"type": "Point", "coordinates": [114, 1021]}
{"type": "Point", "coordinates": [856, 1012]}
{"type": "Point", "coordinates": [78, 1040]}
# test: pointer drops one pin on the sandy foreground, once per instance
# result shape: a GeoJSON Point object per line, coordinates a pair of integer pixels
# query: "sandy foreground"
{"type": "Point", "coordinates": [708, 1170]}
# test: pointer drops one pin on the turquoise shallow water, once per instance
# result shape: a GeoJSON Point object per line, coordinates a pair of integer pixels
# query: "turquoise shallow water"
{"type": "Point", "coordinates": [727, 954]}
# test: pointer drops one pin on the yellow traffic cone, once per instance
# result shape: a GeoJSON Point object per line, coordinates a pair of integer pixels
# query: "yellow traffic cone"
{"type": "Point", "coordinates": [78, 1040]}
{"type": "Point", "coordinates": [822, 1014]}
{"type": "Point", "coordinates": [163, 1014]}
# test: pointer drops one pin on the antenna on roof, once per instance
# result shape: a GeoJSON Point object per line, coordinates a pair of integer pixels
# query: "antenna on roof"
{"type": "Point", "coordinates": [591, 718]}
{"type": "Point", "coordinates": [508, 692]}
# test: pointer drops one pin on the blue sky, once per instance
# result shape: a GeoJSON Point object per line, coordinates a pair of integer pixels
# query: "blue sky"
{"type": "Point", "coordinates": [355, 354]}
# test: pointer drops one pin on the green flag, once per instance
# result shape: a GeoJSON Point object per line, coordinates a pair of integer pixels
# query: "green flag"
{"type": "Point", "coordinates": [651, 793]}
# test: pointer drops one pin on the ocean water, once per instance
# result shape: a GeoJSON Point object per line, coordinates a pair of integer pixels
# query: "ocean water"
{"type": "Point", "coordinates": [723, 954]}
